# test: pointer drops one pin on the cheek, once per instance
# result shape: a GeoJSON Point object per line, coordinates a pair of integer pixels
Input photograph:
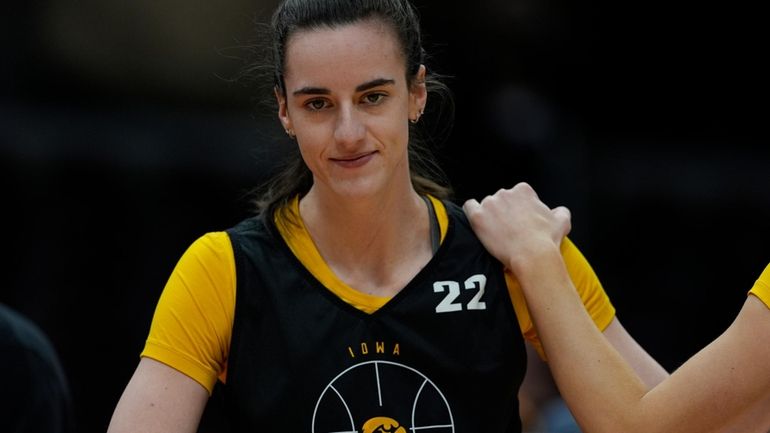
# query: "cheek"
{"type": "Point", "coordinates": [403, 135]}
{"type": "Point", "coordinates": [309, 153]}
{"type": "Point", "coordinates": [311, 139]}
{"type": "Point", "coordinates": [395, 129]}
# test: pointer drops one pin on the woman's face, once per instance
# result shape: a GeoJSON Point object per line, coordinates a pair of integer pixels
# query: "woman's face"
{"type": "Point", "coordinates": [348, 102]}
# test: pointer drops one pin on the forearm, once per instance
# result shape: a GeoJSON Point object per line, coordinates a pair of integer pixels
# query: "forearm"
{"type": "Point", "coordinates": [590, 373]}
{"type": "Point", "coordinates": [646, 367]}
{"type": "Point", "coordinates": [717, 386]}
{"type": "Point", "coordinates": [605, 394]}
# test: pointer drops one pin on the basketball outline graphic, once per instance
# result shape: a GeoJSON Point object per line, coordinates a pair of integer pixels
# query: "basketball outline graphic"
{"type": "Point", "coordinates": [336, 394]}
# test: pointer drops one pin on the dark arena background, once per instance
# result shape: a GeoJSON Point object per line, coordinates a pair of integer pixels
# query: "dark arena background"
{"type": "Point", "coordinates": [123, 138]}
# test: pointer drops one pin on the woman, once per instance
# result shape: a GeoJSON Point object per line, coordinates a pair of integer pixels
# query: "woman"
{"type": "Point", "coordinates": [358, 299]}
{"type": "Point", "coordinates": [724, 387]}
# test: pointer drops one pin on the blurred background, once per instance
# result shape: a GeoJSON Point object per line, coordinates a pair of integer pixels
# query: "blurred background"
{"type": "Point", "coordinates": [123, 138]}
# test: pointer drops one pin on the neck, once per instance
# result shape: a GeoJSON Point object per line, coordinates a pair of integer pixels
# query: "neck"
{"type": "Point", "coordinates": [374, 244]}
{"type": "Point", "coordinates": [361, 222]}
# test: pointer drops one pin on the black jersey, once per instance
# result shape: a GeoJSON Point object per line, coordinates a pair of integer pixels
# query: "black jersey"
{"type": "Point", "coordinates": [443, 355]}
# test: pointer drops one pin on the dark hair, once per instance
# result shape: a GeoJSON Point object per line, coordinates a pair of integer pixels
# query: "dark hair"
{"type": "Point", "coordinates": [294, 15]}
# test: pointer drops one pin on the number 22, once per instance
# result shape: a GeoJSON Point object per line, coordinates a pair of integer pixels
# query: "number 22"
{"type": "Point", "coordinates": [448, 304]}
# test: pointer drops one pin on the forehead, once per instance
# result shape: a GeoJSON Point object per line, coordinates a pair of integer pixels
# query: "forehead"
{"type": "Point", "coordinates": [362, 50]}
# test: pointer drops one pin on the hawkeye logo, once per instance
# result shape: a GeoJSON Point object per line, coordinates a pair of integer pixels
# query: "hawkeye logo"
{"type": "Point", "coordinates": [382, 397]}
{"type": "Point", "coordinates": [382, 424]}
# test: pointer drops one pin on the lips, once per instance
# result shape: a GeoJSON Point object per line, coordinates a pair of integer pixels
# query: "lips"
{"type": "Point", "coordinates": [353, 161]}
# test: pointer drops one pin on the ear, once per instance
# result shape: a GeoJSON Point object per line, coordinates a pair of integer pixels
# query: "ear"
{"type": "Point", "coordinates": [418, 94]}
{"type": "Point", "coordinates": [283, 112]}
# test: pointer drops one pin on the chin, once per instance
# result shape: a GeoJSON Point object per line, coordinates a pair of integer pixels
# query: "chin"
{"type": "Point", "coordinates": [365, 187]}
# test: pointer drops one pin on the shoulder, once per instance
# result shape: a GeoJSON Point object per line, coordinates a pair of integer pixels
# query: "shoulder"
{"type": "Point", "coordinates": [251, 232]}
{"type": "Point", "coordinates": [456, 216]}
{"type": "Point", "coordinates": [250, 226]}
{"type": "Point", "coordinates": [454, 210]}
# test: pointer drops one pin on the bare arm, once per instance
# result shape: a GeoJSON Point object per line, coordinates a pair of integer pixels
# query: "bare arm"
{"type": "Point", "coordinates": [644, 365]}
{"type": "Point", "coordinates": [714, 388]}
{"type": "Point", "coordinates": [159, 399]}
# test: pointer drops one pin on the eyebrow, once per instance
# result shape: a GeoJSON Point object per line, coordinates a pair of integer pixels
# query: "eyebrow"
{"type": "Point", "coordinates": [360, 88]}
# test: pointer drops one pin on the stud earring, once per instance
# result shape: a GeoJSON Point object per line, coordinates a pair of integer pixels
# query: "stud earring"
{"type": "Point", "coordinates": [290, 133]}
{"type": "Point", "coordinates": [416, 118]}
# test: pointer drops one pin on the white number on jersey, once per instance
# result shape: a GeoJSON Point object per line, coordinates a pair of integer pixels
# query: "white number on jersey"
{"type": "Point", "coordinates": [452, 288]}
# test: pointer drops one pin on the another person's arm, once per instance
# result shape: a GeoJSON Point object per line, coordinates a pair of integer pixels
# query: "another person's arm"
{"type": "Point", "coordinates": [645, 366]}
{"type": "Point", "coordinates": [713, 389]}
{"type": "Point", "coordinates": [597, 304]}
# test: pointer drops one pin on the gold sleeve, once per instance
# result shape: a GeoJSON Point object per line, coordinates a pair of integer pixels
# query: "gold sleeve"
{"type": "Point", "coordinates": [761, 287]}
{"type": "Point", "coordinates": [193, 320]}
{"type": "Point", "coordinates": [594, 298]}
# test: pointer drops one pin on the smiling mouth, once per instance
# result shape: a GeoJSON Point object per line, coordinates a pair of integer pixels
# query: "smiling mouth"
{"type": "Point", "coordinates": [354, 160]}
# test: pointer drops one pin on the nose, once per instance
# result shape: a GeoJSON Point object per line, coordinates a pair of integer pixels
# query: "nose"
{"type": "Point", "coordinates": [349, 129]}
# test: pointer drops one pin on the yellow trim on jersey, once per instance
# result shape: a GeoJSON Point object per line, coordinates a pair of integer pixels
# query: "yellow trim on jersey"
{"type": "Point", "coordinates": [193, 320]}
{"type": "Point", "coordinates": [301, 244]}
{"type": "Point", "coordinates": [443, 219]}
{"type": "Point", "coordinates": [761, 287]}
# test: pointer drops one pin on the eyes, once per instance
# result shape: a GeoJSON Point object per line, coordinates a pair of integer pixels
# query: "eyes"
{"type": "Point", "coordinates": [368, 99]}
{"type": "Point", "coordinates": [374, 98]}
{"type": "Point", "coordinates": [316, 104]}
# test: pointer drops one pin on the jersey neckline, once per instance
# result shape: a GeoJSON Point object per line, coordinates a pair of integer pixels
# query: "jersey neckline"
{"type": "Point", "coordinates": [295, 236]}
